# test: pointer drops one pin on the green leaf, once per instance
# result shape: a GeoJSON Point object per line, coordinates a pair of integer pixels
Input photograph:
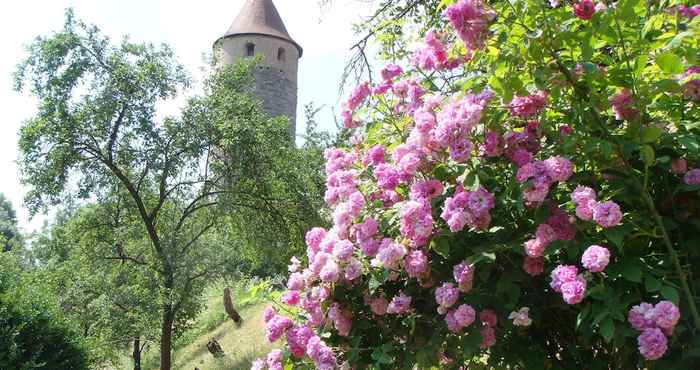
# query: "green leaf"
{"type": "Point", "coordinates": [651, 283]}
{"type": "Point", "coordinates": [617, 235]}
{"type": "Point", "coordinates": [671, 294]}
{"type": "Point", "coordinates": [669, 63]}
{"type": "Point", "coordinates": [607, 329]}
{"type": "Point", "coordinates": [632, 272]}
{"type": "Point", "coordinates": [441, 246]}
{"type": "Point", "coordinates": [582, 315]}
{"type": "Point", "coordinates": [651, 134]}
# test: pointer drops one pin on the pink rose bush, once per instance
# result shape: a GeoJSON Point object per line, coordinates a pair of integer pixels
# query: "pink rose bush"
{"type": "Point", "coordinates": [489, 184]}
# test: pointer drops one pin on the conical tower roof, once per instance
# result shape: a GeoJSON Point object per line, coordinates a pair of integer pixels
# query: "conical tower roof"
{"type": "Point", "coordinates": [260, 17]}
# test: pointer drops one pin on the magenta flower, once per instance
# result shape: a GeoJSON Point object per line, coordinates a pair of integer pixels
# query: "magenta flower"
{"type": "Point", "coordinates": [563, 274]}
{"type": "Point", "coordinates": [622, 104]}
{"type": "Point", "coordinates": [533, 266]}
{"type": "Point", "coordinates": [446, 295]}
{"type": "Point", "coordinates": [399, 304]}
{"type": "Point", "coordinates": [464, 276]}
{"type": "Point", "coordinates": [692, 177]}
{"type": "Point", "coordinates": [665, 315]}
{"type": "Point", "coordinates": [595, 258]}
{"type": "Point", "coordinates": [640, 316]}
{"type": "Point", "coordinates": [291, 298]}
{"type": "Point", "coordinates": [488, 337]}
{"type": "Point", "coordinates": [584, 9]}
{"type": "Point", "coordinates": [573, 291]}
{"type": "Point", "coordinates": [374, 155]}
{"type": "Point", "coordinates": [528, 106]}
{"type": "Point", "coordinates": [416, 263]}
{"type": "Point", "coordinates": [276, 327]}
{"type": "Point", "coordinates": [607, 214]}
{"type": "Point", "coordinates": [390, 71]}
{"type": "Point", "coordinates": [652, 344]}
{"type": "Point", "coordinates": [488, 317]}
{"type": "Point", "coordinates": [534, 248]}
{"type": "Point", "coordinates": [470, 19]}
{"type": "Point", "coordinates": [297, 339]}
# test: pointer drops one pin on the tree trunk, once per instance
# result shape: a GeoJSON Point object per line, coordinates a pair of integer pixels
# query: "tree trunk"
{"type": "Point", "coordinates": [166, 337]}
{"type": "Point", "coordinates": [137, 354]}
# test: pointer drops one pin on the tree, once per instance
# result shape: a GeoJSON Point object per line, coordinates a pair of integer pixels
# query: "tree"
{"type": "Point", "coordinates": [9, 231]}
{"type": "Point", "coordinates": [33, 333]}
{"type": "Point", "coordinates": [97, 136]}
{"type": "Point", "coordinates": [111, 296]}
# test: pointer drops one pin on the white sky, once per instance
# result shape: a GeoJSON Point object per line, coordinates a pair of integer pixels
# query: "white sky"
{"type": "Point", "coordinates": [190, 28]}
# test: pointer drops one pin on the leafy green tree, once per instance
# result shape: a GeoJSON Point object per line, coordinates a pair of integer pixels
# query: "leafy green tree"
{"type": "Point", "coordinates": [9, 231]}
{"type": "Point", "coordinates": [96, 135]}
{"type": "Point", "coordinates": [112, 296]}
{"type": "Point", "coordinates": [33, 333]}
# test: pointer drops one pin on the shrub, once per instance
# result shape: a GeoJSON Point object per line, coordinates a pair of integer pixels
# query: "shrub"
{"type": "Point", "coordinates": [522, 194]}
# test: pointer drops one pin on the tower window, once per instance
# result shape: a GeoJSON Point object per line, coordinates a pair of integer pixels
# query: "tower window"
{"type": "Point", "coordinates": [250, 49]}
{"type": "Point", "coordinates": [280, 55]}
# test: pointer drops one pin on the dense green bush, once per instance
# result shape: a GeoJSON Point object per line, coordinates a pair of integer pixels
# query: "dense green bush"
{"type": "Point", "coordinates": [521, 194]}
{"type": "Point", "coordinates": [33, 335]}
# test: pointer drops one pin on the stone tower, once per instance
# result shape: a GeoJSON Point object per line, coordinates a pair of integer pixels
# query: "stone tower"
{"type": "Point", "coordinates": [258, 30]}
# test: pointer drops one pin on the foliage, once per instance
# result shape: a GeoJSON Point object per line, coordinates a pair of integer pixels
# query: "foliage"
{"type": "Point", "coordinates": [33, 333]}
{"type": "Point", "coordinates": [520, 134]}
{"type": "Point", "coordinates": [112, 299]}
{"type": "Point", "coordinates": [222, 165]}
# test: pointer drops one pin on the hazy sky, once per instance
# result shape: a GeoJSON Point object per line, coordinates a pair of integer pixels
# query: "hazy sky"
{"type": "Point", "coordinates": [190, 28]}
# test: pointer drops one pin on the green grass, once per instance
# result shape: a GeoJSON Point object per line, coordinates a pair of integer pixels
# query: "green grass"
{"type": "Point", "coordinates": [242, 345]}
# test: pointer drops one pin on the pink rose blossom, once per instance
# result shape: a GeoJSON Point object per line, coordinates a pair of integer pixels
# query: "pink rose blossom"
{"type": "Point", "coordinates": [652, 344]}
{"type": "Point", "coordinates": [533, 266]}
{"type": "Point", "coordinates": [416, 263]}
{"type": "Point", "coordinates": [595, 258]}
{"type": "Point", "coordinates": [521, 317]}
{"type": "Point", "coordinates": [584, 9]}
{"type": "Point", "coordinates": [446, 295]}
{"type": "Point", "coordinates": [573, 291]}
{"type": "Point", "coordinates": [291, 298]}
{"type": "Point", "coordinates": [623, 105]}
{"type": "Point", "coordinates": [297, 339]}
{"type": "Point", "coordinates": [528, 106]}
{"type": "Point", "coordinates": [563, 274]}
{"type": "Point", "coordinates": [692, 177]}
{"type": "Point", "coordinates": [488, 337]}
{"type": "Point", "coordinates": [470, 19]}
{"type": "Point", "coordinates": [607, 214]}
{"type": "Point", "coordinates": [640, 316]}
{"type": "Point", "coordinates": [665, 315]}
{"type": "Point", "coordinates": [679, 166]}
{"type": "Point", "coordinates": [400, 304]}
{"type": "Point", "coordinates": [488, 317]}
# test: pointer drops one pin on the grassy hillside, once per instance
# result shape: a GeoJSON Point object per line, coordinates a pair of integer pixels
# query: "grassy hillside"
{"type": "Point", "coordinates": [241, 344]}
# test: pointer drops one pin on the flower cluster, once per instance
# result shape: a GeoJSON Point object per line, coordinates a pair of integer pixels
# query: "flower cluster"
{"type": "Point", "coordinates": [488, 320]}
{"type": "Point", "coordinates": [434, 56]}
{"type": "Point", "coordinates": [468, 208]}
{"type": "Point", "coordinates": [605, 214]}
{"type": "Point", "coordinates": [623, 105]}
{"type": "Point", "coordinates": [655, 322]}
{"type": "Point", "coordinates": [528, 106]}
{"type": "Point", "coordinates": [540, 175]}
{"type": "Point", "coordinates": [470, 19]}
{"type": "Point", "coordinates": [567, 281]}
